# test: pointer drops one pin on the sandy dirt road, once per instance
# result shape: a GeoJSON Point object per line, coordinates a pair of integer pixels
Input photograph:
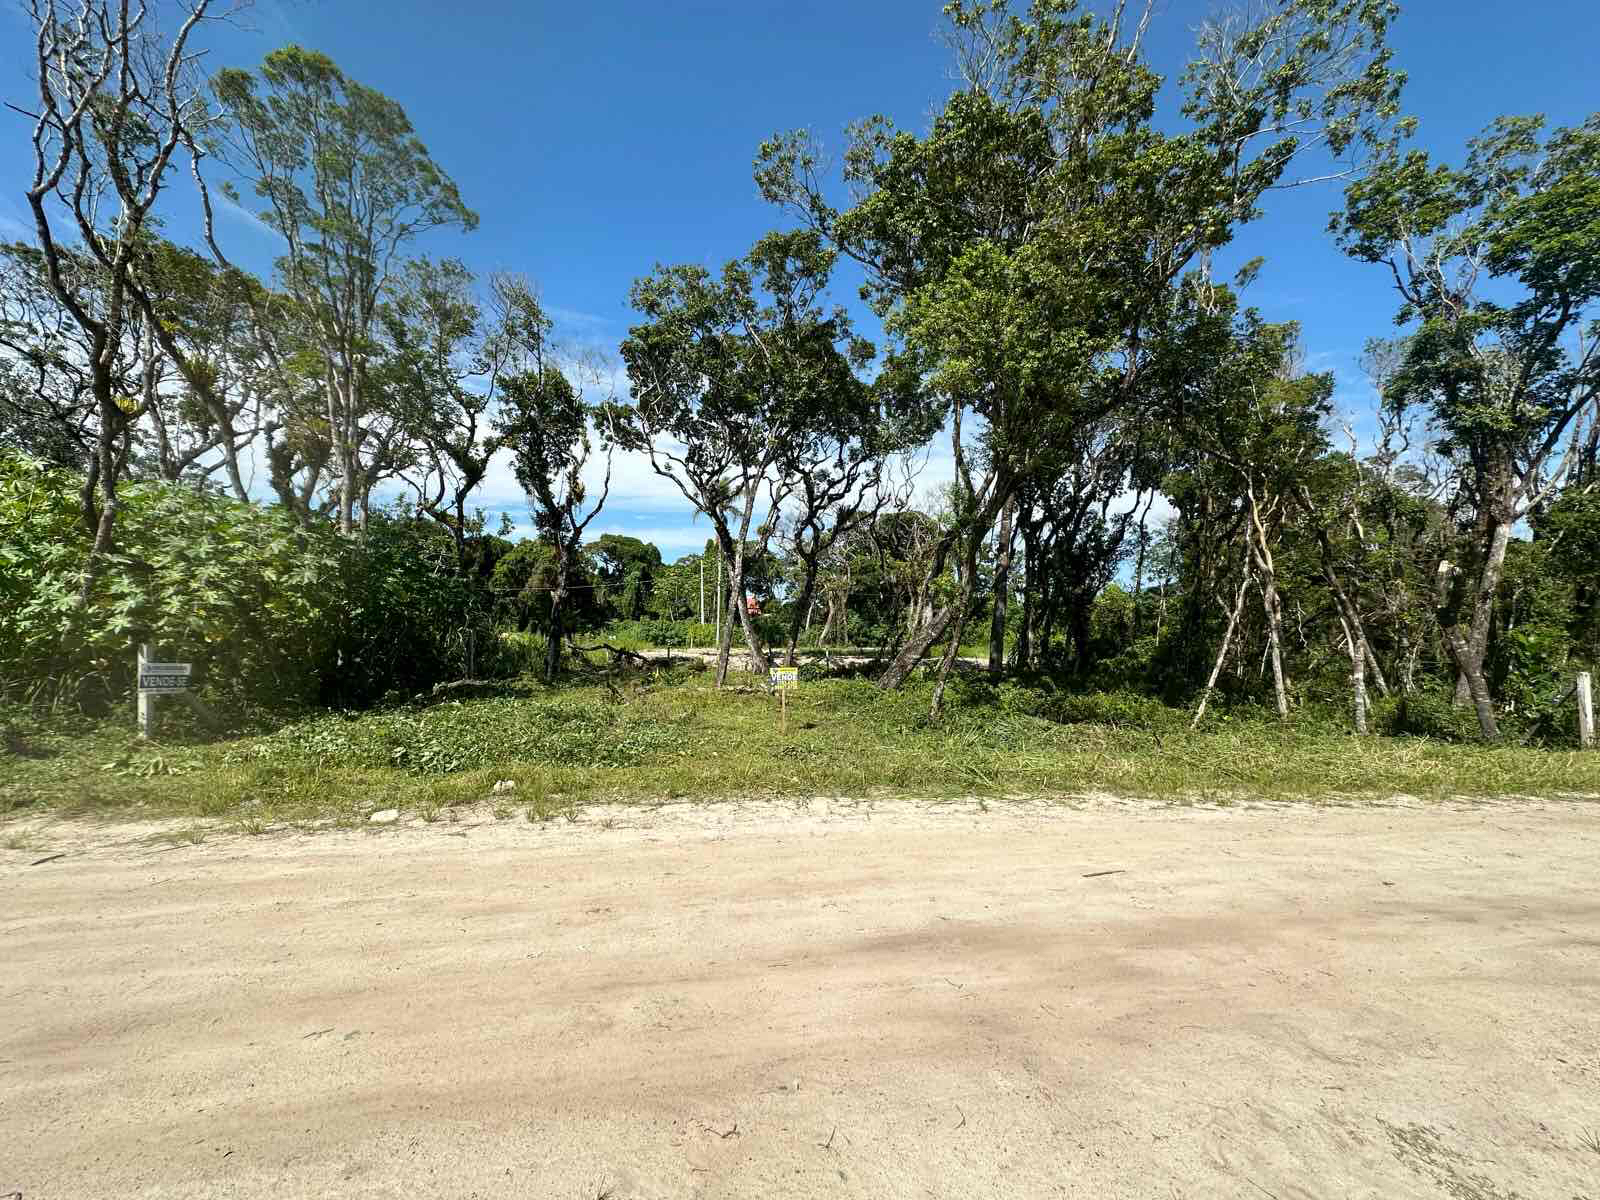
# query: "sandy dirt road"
{"type": "Point", "coordinates": [823, 1000]}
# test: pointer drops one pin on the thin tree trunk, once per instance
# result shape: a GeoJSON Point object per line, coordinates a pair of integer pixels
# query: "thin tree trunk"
{"type": "Point", "coordinates": [1022, 653]}
{"type": "Point", "coordinates": [558, 595]}
{"type": "Point", "coordinates": [107, 472]}
{"type": "Point", "coordinates": [1356, 647]}
{"type": "Point", "coordinates": [1272, 605]}
{"type": "Point", "coordinates": [1222, 651]}
{"type": "Point", "coordinates": [724, 632]}
{"type": "Point", "coordinates": [1269, 600]}
{"type": "Point", "coordinates": [1002, 590]}
{"type": "Point", "coordinates": [1350, 617]}
{"type": "Point", "coordinates": [836, 627]}
{"type": "Point", "coordinates": [1138, 568]}
{"type": "Point", "coordinates": [1047, 626]}
{"type": "Point", "coordinates": [949, 658]}
{"type": "Point", "coordinates": [733, 551]}
{"type": "Point", "coordinates": [1372, 665]}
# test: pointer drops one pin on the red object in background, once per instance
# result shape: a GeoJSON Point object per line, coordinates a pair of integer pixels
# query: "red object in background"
{"type": "Point", "coordinates": [752, 606]}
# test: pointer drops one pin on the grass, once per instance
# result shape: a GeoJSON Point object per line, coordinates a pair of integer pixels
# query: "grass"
{"type": "Point", "coordinates": [670, 735]}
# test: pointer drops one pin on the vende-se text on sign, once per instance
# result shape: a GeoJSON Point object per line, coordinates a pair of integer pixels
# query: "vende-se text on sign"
{"type": "Point", "coordinates": [164, 677]}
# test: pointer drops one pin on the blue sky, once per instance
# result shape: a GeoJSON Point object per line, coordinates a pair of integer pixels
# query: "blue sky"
{"type": "Point", "coordinates": [595, 140]}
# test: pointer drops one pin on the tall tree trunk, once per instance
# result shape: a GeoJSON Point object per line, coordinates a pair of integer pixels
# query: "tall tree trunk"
{"type": "Point", "coordinates": [1222, 650]}
{"type": "Point", "coordinates": [1138, 568]}
{"type": "Point", "coordinates": [1488, 583]}
{"type": "Point", "coordinates": [1274, 612]}
{"type": "Point", "coordinates": [903, 663]}
{"type": "Point", "coordinates": [1002, 590]}
{"type": "Point", "coordinates": [554, 631]}
{"type": "Point", "coordinates": [1356, 647]}
{"type": "Point", "coordinates": [951, 650]}
{"type": "Point", "coordinates": [759, 662]}
{"type": "Point", "coordinates": [1372, 665]}
{"type": "Point", "coordinates": [733, 552]}
{"type": "Point", "coordinates": [100, 514]}
{"type": "Point", "coordinates": [1355, 629]}
{"type": "Point", "coordinates": [929, 624]}
{"type": "Point", "coordinates": [1080, 625]}
{"type": "Point", "coordinates": [1022, 653]}
{"type": "Point", "coordinates": [1271, 603]}
{"type": "Point", "coordinates": [1049, 605]}
{"type": "Point", "coordinates": [1477, 689]}
{"type": "Point", "coordinates": [339, 407]}
{"type": "Point", "coordinates": [725, 627]}
{"type": "Point", "coordinates": [1470, 667]}
{"type": "Point", "coordinates": [836, 626]}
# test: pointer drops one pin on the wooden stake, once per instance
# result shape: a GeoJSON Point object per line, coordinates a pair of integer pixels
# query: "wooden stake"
{"type": "Point", "coordinates": [1585, 711]}
{"type": "Point", "coordinates": [783, 710]}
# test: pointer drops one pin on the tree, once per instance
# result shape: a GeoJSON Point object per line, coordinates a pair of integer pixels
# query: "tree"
{"type": "Point", "coordinates": [1497, 264]}
{"type": "Point", "coordinates": [222, 360]}
{"type": "Point", "coordinates": [546, 425]}
{"type": "Point", "coordinates": [48, 406]}
{"type": "Point", "coordinates": [1007, 264]}
{"type": "Point", "coordinates": [839, 472]}
{"type": "Point", "coordinates": [628, 568]}
{"type": "Point", "coordinates": [729, 372]}
{"type": "Point", "coordinates": [349, 185]}
{"type": "Point", "coordinates": [1074, 540]}
{"type": "Point", "coordinates": [446, 360]}
{"type": "Point", "coordinates": [116, 102]}
{"type": "Point", "coordinates": [1251, 412]}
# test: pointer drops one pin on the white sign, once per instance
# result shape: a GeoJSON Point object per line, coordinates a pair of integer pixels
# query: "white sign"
{"type": "Point", "coordinates": [784, 679]}
{"type": "Point", "coordinates": [164, 677]}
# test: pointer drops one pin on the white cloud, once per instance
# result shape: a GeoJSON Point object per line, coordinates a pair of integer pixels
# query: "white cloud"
{"type": "Point", "coordinates": [576, 319]}
{"type": "Point", "coordinates": [241, 215]}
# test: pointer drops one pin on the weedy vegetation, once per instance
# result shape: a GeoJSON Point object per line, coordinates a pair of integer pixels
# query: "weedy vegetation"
{"type": "Point", "coordinates": [655, 735]}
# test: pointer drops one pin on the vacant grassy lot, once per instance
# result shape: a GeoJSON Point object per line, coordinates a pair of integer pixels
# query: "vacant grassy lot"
{"type": "Point", "coordinates": [670, 734]}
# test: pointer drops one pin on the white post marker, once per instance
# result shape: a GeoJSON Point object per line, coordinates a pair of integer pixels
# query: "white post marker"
{"type": "Point", "coordinates": [783, 680]}
{"type": "Point", "coordinates": [158, 679]}
{"type": "Point", "coordinates": [1585, 711]}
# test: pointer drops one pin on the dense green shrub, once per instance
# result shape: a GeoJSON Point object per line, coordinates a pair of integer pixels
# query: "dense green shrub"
{"type": "Point", "coordinates": [272, 615]}
{"type": "Point", "coordinates": [1430, 713]}
{"type": "Point", "coordinates": [404, 619]}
